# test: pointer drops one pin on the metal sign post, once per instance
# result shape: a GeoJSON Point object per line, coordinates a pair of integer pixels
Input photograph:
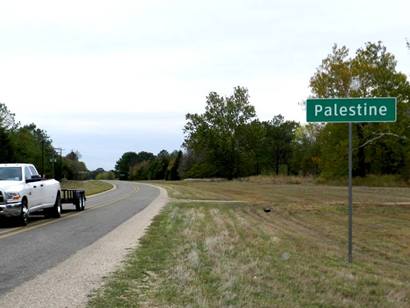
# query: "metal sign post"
{"type": "Point", "coordinates": [350, 235]}
{"type": "Point", "coordinates": [349, 110]}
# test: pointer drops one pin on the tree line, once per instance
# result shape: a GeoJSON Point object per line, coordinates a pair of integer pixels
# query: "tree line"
{"type": "Point", "coordinates": [227, 140]}
{"type": "Point", "coordinates": [147, 166]}
{"type": "Point", "coordinates": [30, 144]}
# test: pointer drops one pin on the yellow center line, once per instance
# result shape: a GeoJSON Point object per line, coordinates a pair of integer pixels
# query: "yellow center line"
{"type": "Point", "coordinates": [65, 217]}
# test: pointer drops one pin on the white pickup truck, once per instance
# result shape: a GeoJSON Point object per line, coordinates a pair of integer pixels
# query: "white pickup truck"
{"type": "Point", "coordinates": [24, 191]}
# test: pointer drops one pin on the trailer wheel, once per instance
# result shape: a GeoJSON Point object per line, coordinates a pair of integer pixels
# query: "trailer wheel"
{"type": "Point", "coordinates": [57, 209]}
{"type": "Point", "coordinates": [77, 205]}
{"type": "Point", "coordinates": [82, 203]}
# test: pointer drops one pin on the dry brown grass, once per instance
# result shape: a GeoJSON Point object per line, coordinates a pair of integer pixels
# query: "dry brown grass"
{"type": "Point", "coordinates": [263, 192]}
{"type": "Point", "coordinates": [202, 254]}
{"type": "Point", "coordinates": [278, 179]}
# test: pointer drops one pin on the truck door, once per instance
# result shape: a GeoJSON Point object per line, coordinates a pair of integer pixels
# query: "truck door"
{"type": "Point", "coordinates": [40, 186]}
{"type": "Point", "coordinates": [33, 190]}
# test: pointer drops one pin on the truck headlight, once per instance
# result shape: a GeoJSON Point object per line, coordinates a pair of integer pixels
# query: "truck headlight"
{"type": "Point", "coordinates": [12, 196]}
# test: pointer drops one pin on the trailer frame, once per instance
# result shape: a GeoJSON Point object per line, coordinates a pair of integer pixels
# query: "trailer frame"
{"type": "Point", "coordinates": [74, 196]}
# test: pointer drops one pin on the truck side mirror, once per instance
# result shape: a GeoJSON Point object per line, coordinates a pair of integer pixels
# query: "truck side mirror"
{"type": "Point", "coordinates": [34, 178]}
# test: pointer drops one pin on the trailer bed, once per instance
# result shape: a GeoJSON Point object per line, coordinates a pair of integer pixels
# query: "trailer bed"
{"type": "Point", "coordinates": [74, 196]}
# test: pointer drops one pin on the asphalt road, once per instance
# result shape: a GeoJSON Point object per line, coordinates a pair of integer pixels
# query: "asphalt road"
{"type": "Point", "coordinates": [29, 251]}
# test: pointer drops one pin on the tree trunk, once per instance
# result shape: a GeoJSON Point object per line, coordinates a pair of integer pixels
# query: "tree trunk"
{"type": "Point", "coordinates": [277, 164]}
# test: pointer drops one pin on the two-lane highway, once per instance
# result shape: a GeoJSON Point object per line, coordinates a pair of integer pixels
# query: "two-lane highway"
{"type": "Point", "coordinates": [29, 251]}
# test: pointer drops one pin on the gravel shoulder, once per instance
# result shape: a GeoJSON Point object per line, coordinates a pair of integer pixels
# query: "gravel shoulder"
{"type": "Point", "coordinates": [69, 283]}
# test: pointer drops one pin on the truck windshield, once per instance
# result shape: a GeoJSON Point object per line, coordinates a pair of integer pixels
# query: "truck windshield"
{"type": "Point", "coordinates": [10, 174]}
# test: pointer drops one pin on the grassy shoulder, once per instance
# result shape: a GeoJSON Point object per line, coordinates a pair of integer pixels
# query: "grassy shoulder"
{"type": "Point", "coordinates": [369, 180]}
{"type": "Point", "coordinates": [91, 187]}
{"type": "Point", "coordinates": [202, 251]}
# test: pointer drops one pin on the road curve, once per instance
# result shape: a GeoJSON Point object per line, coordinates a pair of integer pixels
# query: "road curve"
{"type": "Point", "coordinates": [27, 252]}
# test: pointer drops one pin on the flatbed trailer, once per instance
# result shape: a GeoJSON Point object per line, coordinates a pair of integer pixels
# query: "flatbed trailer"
{"type": "Point", "coordinates": [74, 196]}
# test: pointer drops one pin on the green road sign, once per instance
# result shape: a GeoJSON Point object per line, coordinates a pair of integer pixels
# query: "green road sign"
{"type": "Point", "coordinates": [344, 110]}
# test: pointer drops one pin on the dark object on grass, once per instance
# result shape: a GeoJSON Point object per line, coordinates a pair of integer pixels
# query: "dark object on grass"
{"type": "Point", "coordinates": [267, 209]}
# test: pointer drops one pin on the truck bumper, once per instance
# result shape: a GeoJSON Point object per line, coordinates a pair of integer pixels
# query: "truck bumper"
{"type": "Point", "coordinates": [10, 209]}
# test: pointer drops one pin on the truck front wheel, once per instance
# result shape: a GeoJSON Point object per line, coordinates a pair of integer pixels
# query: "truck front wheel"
{"type": "Point", "coordinates": [24, 213]}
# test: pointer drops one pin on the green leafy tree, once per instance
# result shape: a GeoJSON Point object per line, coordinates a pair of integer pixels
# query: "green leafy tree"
{"type": "Point", "coordinates": [173, 166]}
{"type": "Point", "coordinates": [142, 156]}
{"type": "Point", "coordinates": [73, 168]}
{"type": "Point", "coordinates": [73, 155]}
{"type": "Point", "coordinates": [123, 165]}
{"type": "Point", "coordinates": [278, 141]}
{"type": "Point", "coordinates": [30, 143]}
{"type": "Point", "coordinates": [7, 118]}
{"type": "Point", "coordinates": [157, 167]}
{"type": "Point", "coordinates": [130, 167]}
{"type": "Point", "coordinates": [213, 136]}
{"type": "Point", "coordinates": [7, 123]}
{"type": "Point", "coordinates": [106, 175]}
{"type": "Point", "coordinates": [163, 159]}
{"type": "Point", "coordinates": [6, 149]}
{"type": "Point", "coordinates": [253, 140]}
{"type": "Point", "coordinates": [306, 151]}
{"type": "Point", "coordinates": [94, 173]}
{"type": "Point", "coordinates": [378, 147]}
{"type": "Point", "coordinates": [141, 170]}
{"type": "Point", "coordinates": [188, 161]}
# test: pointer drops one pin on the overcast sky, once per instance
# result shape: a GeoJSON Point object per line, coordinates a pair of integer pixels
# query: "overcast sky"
{"type": "Point", "coordinates": [106, 77]}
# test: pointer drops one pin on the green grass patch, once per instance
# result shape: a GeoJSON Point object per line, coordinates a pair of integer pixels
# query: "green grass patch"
{"type": "Point", "coordinates": [216, 254]}
{"type": "Point", "coordinates": [90, 187]}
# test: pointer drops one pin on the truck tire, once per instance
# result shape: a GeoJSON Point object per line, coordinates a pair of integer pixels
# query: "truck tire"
{"type": "Point", "coordinates": [24, 217]}
{"type": "Point", "coordinates": [57, 208]}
